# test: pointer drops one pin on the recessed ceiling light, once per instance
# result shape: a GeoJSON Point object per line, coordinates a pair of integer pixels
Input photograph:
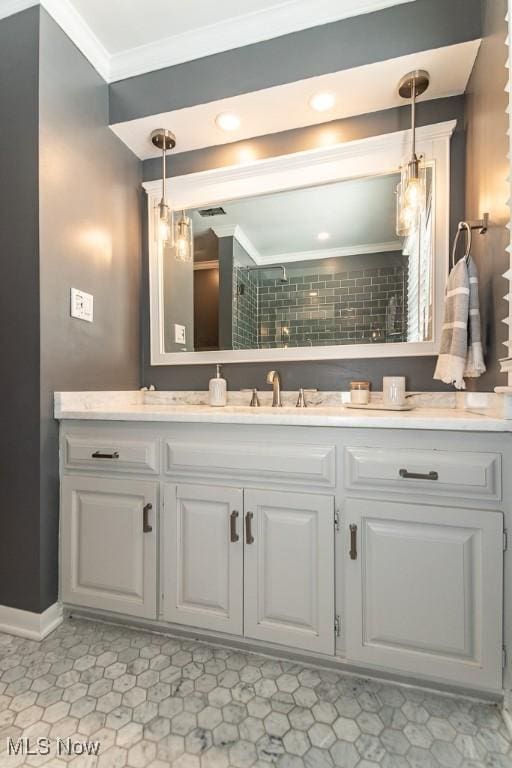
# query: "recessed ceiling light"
{"type": "Point", "coordinates": [323, 236]}
{"type": "Point", "coordinates": [228, 121]}
{"type": "Point", "coordinates": [322, 102]}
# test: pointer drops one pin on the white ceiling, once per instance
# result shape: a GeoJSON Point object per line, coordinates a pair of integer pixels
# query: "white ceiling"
{"type": "Point", "coordinates": [124, 24]}
{"type": "Point", "coordinates": [123, 38]}
{"type": "Point", "coordinates": [359, 90]}
{"type": "Point", "coordinates": [285, 226]}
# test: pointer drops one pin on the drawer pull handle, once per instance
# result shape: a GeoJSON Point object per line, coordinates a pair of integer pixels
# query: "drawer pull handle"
{"type": "Point", "coordinates": [100, 455]}
{"type": "Point", "coordinates": [248, 528]}
{"type": "Point", "coordinates": [353, 541]}
{"type": "Point", "coordinates": [418, 475]}
{"type": "Point", "coordinates": [146, 527]}
{"type": "Point", "coordinates": [232, 522]}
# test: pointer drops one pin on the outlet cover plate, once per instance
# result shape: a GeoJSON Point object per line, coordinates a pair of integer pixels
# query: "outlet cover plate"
{"type": "Point", "coordinates": [180, 334]}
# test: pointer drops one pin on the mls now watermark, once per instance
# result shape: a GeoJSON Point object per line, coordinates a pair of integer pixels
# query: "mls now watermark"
{"type": "Point", "coordinates": [55, 747]}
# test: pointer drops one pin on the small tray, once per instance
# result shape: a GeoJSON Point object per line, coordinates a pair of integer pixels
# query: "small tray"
{"type": "Point", "coordinates": [380, 407]}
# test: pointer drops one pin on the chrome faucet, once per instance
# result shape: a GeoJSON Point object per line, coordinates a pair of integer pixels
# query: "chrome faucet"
{"type": "Point", "coordinates": [274, 379]}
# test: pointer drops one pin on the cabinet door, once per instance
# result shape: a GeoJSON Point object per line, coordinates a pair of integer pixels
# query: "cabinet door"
{"type": "Point", "coordinates": [289, 569]}
{"type": "Point", "coordinates": [424, 590]}
{"type": "Point", "coordinates": [203, 557]}
{"type": "Point", "coordinates": [109, 552]}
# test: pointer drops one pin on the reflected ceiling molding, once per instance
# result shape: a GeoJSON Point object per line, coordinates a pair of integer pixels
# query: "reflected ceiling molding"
{"type": "Point", "coordinates": [331, 253]}
{"type": "Point", "coordinates": [211, 264]}
{"type": "Point", "coordinates": [228, 230]}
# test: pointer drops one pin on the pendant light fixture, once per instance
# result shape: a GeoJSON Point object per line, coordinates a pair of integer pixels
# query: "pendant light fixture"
{"type": "Point", "coordinates": [411, 191]}
{"type": "Point", "coordinates": [183, 239]}
{"type": "Point", "coordinates": [164, 140]}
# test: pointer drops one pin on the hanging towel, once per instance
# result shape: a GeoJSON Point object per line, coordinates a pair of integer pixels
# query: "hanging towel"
{"type": "Point", "coordinates": [461, 353]}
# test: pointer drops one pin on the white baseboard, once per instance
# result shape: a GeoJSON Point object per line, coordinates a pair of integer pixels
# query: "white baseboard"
{"type": "Point", "coordinates": [34, 626]}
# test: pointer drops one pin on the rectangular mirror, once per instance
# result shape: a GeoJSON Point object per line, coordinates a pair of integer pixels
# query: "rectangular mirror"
{"type": "Point", "coordinates": [308, 267]}
{"type": "Point", "coordinates": [297, 257]}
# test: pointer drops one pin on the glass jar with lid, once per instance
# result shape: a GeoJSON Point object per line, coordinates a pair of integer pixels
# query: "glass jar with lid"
{"type": "Point", "coordinates": [360, 392]}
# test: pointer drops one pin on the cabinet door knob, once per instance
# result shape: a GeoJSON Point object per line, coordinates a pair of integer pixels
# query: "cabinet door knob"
{"type": "Point", "coordinates": [248, 528]}
{"type": "Point", "coordinates": [146, 527]}
{"type": "Point", "coordinates": [418, 475]}
{"type": "Point", "coordinates": [232, 523]}
{"type": "Point", "coordinates": [100, 455]}
{"type": "Point", "coordinates": [353, 541]}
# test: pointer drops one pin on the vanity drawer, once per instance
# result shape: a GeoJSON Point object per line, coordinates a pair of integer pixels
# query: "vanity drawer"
{"type": "Point", "coordinates": [105, 452]}
{"type": "Point", "coordinates": [311, 465]}
{"type": "Point", "coordinates": [427, 473]}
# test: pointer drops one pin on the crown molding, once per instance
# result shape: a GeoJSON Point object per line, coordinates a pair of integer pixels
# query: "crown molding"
{"type": "Point", "coordinates": [287, 17]}
{"type": "Point", "coordinates": [211, 264]}
{"type": "Point", "coordinates": [234, 230]}
{"type": "Point", "coordinates": [330, 253]}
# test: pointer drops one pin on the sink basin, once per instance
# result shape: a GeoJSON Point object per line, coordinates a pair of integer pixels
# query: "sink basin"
{"type": "Point", "coordinates": [288, 409]}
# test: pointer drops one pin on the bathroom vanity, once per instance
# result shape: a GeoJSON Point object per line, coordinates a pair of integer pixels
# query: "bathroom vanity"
{"type": "Point", "coordinates": [373, 539]}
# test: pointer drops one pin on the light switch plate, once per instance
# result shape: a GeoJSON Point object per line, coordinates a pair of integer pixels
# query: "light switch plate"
{"type": "Point", "coordinates": [180, 334]}
{"type": "Point", "coordinates": [82, 305]}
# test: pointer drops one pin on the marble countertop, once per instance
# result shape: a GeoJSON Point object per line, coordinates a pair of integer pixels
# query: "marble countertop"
{"type": "Point", "coordinates": [432, 411]}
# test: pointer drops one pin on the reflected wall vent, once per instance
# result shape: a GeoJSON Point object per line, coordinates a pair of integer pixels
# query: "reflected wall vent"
{"type": "Point", "coordinates": [212, 212]}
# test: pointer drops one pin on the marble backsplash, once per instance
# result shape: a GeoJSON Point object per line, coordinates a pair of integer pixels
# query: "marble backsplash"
{"type": "Point", "coordinates": [478, 402]}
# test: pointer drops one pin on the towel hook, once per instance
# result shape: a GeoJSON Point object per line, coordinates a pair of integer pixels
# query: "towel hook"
{"type": "Point", "coordinates": [463, 225]}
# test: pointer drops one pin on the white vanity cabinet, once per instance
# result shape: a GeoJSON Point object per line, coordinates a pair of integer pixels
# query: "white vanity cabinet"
{"type": "Point", "coordinates": [257, 563]}
{"type": "Point", "coordinates": [202, 557]}
{"type": "Point", "coordinates": [289, 569]}
{"type": "Point", "coordinates": [382, 548]}
{"type": "Point", "coordinates": [424, 589]}
{"type": "Point", "coordinates": [109, 540]}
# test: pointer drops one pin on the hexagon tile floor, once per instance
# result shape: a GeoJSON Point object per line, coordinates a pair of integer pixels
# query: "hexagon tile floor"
{"type": "Point", "coordinates": [154, 701]}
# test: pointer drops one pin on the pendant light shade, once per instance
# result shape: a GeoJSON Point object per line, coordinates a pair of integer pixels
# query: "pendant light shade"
{"type": "Point", "coordinates": [184, 239]}
{"type": "Point", "coordinates": [164, 140]}
{"type": "Point", "coordinates": [411, 191]}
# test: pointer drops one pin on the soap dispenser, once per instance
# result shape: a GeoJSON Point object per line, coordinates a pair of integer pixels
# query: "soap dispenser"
{"type": "Point", "coordinates": [218, 389]}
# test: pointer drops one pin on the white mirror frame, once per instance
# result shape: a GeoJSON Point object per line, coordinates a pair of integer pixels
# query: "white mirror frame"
{"type": "Point", "coordinates": [354, 159]}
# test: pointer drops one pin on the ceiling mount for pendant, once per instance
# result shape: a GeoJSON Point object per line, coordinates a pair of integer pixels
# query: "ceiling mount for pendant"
{"type": "Point", "coordinates": [163, 139]}
{"type": "Point", "coordinates": [414, 83]}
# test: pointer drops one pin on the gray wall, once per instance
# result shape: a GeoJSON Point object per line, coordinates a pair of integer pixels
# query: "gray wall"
{"type": "Point", "coordinates": [19, 313]}
{"type": "Point", "coordinates": [88, 212]}
{"type": "Point", "coordinates": [89, 239]}
{"type": "Point", "coordinates": [487, 188]}
{"type": "Point", "coordinates": [313, 136]}
{"type": "Point", "coordinates": [206, 309]}
{"type": "Point", "coordinates": [226, 247]}
{"type": "Point", "coordinates": [330, 374]}
{"type": "Point", "coordinates": [178, 301]}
